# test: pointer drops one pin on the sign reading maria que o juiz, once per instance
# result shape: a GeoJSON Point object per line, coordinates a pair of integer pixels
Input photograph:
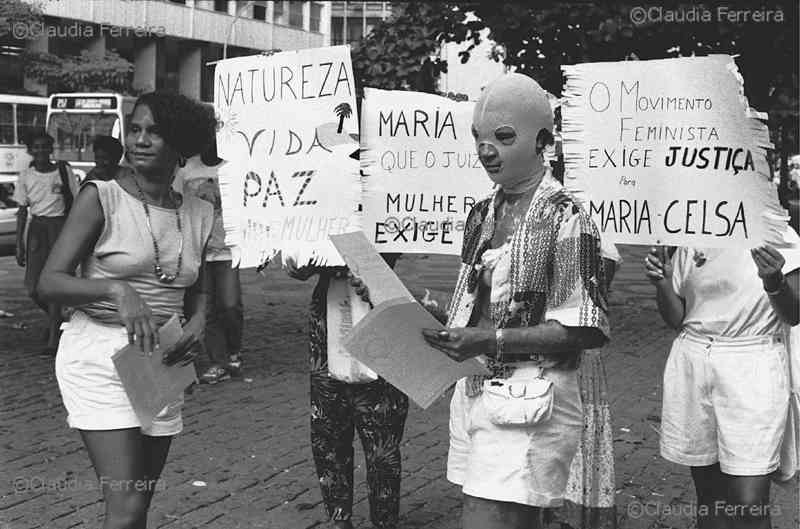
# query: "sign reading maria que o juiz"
{"type": "Point", "coordinates": [288, 132]}
{"type": "Point", "coordinates": [669, 152]}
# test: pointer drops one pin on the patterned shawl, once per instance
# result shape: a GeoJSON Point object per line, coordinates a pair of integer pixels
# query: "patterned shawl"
{"type": "Point", "coordinates": [545, 269]}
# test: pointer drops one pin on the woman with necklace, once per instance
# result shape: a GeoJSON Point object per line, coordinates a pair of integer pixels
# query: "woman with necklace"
{"type": "Point", "coordinates": [527, 301]}
{"type": "Point", "coordinates": [140, 246]}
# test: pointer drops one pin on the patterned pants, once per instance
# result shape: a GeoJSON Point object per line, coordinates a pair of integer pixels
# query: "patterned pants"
{"type": "Point", "coordinates": [376, 410]}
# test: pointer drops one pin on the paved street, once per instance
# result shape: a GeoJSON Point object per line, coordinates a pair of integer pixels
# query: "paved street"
{"type": "Point", "coordinates": [243, 460]}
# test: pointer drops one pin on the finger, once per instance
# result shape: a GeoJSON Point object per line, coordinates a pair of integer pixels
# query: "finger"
{"type": "Point", "coordinates": [139, 330]}
{"type": "Point", "coordinates": [147, 337]}
{"type": "Point", "coordinates": [771, 257]}
{"type": "Point", "coordinates": [131, 330]}
{"type": "Point", "coordinates": [355, 282]}
{"type": "Point", "coordinates": [654, 276]}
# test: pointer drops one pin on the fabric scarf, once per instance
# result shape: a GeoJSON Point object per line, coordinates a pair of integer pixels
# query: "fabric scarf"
{"type": "Point", "coordinates": [531, 270]}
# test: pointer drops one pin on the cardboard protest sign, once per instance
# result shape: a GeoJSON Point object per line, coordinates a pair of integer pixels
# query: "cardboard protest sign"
{"type": "Point", "coordinates": [389, 339]}
{"type": "Point", "coordinates": [289, 130]}
{"type": "Point", "coordinates": [421, 171]}
{"type": "Point", "coordinates": [149, 383]}
{"type": "Point", "coordinates": [668, 152]}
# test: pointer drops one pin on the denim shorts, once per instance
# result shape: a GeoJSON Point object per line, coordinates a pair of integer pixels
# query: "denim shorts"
{"type": "Point", "coordinates": [725, 400]}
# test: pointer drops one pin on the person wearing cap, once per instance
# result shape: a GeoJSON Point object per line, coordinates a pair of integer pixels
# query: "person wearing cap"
{"type": "Point", "coordinates": [528, 300]}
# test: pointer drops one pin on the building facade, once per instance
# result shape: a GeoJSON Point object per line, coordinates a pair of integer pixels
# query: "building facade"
{"type": "Point", "coordinates": [352, 20]}
{"type": "Point", "coordinates": [172, 42]}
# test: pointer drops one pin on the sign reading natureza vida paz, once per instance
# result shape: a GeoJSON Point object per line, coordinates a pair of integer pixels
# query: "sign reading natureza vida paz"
{"type": "Point", "coordinates": [669, 152]}
{"type": "Point", "coordinates": [289, 130]}
{"type": "Point", "coordinates": [421, 172]}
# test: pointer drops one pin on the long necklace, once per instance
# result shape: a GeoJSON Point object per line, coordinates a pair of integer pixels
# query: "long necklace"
{"type": "Point", "coordinates": [157, 270]}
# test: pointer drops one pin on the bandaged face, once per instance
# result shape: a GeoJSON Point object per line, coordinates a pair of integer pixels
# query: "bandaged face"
{"type": "Point", "coordinates": [506, 121]}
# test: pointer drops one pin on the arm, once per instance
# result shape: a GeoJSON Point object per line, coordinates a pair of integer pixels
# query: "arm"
{"type": "Point", "coordinates": [659, 272]}
{"type": "Point", "coordinates": [22, 223]}
{"type": "Point", "coordinates": [194, 309]}
{"type": "Point", "coordinates": [782, 290]}
{"type": "Point", "coordinates": [58, 284]}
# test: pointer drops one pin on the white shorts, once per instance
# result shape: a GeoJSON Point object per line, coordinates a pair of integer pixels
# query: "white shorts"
{"type": "Point", "coordinates": [90, 387]}
{"type": "Point", "coordinates": [521, 464]}
{"type": "Point", "coordinates": [725, 400]}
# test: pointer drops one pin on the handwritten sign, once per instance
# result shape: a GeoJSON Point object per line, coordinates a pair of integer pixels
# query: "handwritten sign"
{"type": "Point", "coordinates": [668, 151]}
{"type": "Point", "coordinates": [422, 174]}
{"type": "Point", "coordinates": [289, 129]}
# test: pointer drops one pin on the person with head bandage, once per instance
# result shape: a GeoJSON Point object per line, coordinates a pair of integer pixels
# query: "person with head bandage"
{"type": "Point", "coordinates": [528, 300]}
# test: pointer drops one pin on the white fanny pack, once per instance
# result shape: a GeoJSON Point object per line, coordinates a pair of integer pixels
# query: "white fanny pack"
{"type": "Point", "coordinates": [518, 402]}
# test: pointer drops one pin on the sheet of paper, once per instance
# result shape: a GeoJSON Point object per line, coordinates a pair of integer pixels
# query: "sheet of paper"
{"type": "Point", "coordinates": [150, 384]}
{"type": "Point", "coordinates": [366, 263]}
{"type": "Point", "coordinates": [389, 340]}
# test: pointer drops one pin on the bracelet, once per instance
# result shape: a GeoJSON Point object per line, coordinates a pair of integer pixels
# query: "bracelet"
{"type": "Point", "coordinates": [500, 341]}
{"type": "Point", "coordinates": [777, 290]}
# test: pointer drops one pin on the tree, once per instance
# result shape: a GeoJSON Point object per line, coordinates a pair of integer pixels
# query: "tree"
{"type": "Point", "coordinates": [342, 111]}
{"type": "Point", "coordinates": [71, 73]}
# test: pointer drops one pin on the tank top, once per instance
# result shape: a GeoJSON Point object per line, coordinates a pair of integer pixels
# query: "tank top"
{"type": "Point", "coordinates": [124, 251]}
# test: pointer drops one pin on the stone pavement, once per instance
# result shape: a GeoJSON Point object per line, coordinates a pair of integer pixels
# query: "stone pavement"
{"type": "Point", "coordinates": [243, 460]}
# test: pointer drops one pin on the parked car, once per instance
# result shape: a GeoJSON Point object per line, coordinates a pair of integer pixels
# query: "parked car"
{"type": "Point", "coordinates": [8, 215]}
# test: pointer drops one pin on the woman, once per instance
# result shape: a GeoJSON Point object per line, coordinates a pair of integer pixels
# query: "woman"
{"type": "Point", "coordinates": [376, 409]}
{"type": "Point", "coordinates": [140, 246]}
{"type": "Point", "coordinates": [223, 342]}
{"type": "Point", "coordinates": [726, 389]}
{"type": "Point", "coordinates": [529, 299]}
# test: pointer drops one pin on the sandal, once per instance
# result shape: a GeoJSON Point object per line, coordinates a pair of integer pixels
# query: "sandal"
{"type": "Point", "coordinates": [214, 374]}
{"type": "Point", "coordinates": [234, 366]}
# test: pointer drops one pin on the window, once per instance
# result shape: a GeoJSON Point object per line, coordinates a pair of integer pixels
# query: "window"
{"type": "Point", "coordinates": [316, 16]}
{"type": "Point", "coordinates": [278, 13]}
{"type": "Point", "coordinates": [296, 14]}
{"type": "Point", "coordinates": [221, 6]}
{"type": "Point", "coordinates": [178, 2]}
{"type": "Point", "coordinates": [6, 124]}
{"type": "Point", "coordinates": [259, 11]}
{"type": "Point", "coordinates": [29, 118]}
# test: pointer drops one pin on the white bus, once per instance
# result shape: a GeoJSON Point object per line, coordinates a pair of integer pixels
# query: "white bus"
{"type": "Point", "coordinates": [19, 115]}
{"type": "Point", "coordinates": [74, 119]}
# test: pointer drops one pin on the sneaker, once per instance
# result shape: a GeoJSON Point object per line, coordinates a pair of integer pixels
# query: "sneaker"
{"type": "Point", "coordinates": [234, 366]}
{"type": "Point", "coordinates": [214, 374]}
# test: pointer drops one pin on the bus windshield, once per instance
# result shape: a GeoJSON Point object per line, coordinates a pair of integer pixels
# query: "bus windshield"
{"type": "Point", "coordinates": [75, 132]}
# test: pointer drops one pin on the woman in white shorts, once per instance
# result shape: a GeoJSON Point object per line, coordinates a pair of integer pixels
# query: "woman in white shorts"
{"type": "Point", "coordinates": [726, 387]}
{"type": "Point", "coordinates": [140, 246]}
{"type": "Point", "coordinates": [527, 301]}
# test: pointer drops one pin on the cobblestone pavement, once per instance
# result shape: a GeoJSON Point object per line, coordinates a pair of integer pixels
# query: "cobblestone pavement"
{"type": "Point", "coordinates": [243, 459]}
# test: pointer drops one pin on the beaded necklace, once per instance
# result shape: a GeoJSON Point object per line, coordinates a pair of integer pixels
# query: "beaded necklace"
{"type": "Point", "coordinates": [157, 270]}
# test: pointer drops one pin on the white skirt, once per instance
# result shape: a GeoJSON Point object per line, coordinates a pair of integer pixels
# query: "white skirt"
{"type": "Point", "coordinates": [521, 464]}
{"type": "Point", "coordinates": [90, 387]}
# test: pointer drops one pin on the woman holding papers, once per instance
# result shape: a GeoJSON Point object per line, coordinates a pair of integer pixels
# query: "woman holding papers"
{"type": "Point", "coordinates": [726, 381]}
{"type": "Point", "coordinates": [140, 246]}
{"type": "Point", "coordinates": [347, 396]}
{"type": "Point", "coordinates": [528, 300]}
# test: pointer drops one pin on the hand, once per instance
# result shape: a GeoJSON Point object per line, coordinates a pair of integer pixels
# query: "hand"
{"type": "Point", "coordinates": [185, 349]}
{"type": "Point", "coordinates": [658, 265]}
{"type": "Point", "coordinates": [361, 288]}
{"type": "Point", "coordinates": [137, 318]}
{"type": "Point", "coordinates": [21, 255]}
{"type": "Point", "coordinates": [299, 272]}
{"type": "Point", "coordinates": [461, 343]}
{"type": "Point", "coordinates": [770, 265]}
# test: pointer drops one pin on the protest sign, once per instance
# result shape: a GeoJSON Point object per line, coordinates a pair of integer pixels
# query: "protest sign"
{"type": "Point", "coordinates": [288, 127]}
{"type": "Point", "coordinates": [668, 152]}
{"type": "Point", "coordinates": [421, 171]}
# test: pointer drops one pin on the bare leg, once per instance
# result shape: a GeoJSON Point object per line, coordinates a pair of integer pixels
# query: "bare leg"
{"type": "Point", "coordinates": [748, 502]}
{"type": "Point", "coordinates": [709, 482]}
{"type": "Point", "coordinates": [480, 513]}
{"type": "Point", "coordinates": [124, 461]}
